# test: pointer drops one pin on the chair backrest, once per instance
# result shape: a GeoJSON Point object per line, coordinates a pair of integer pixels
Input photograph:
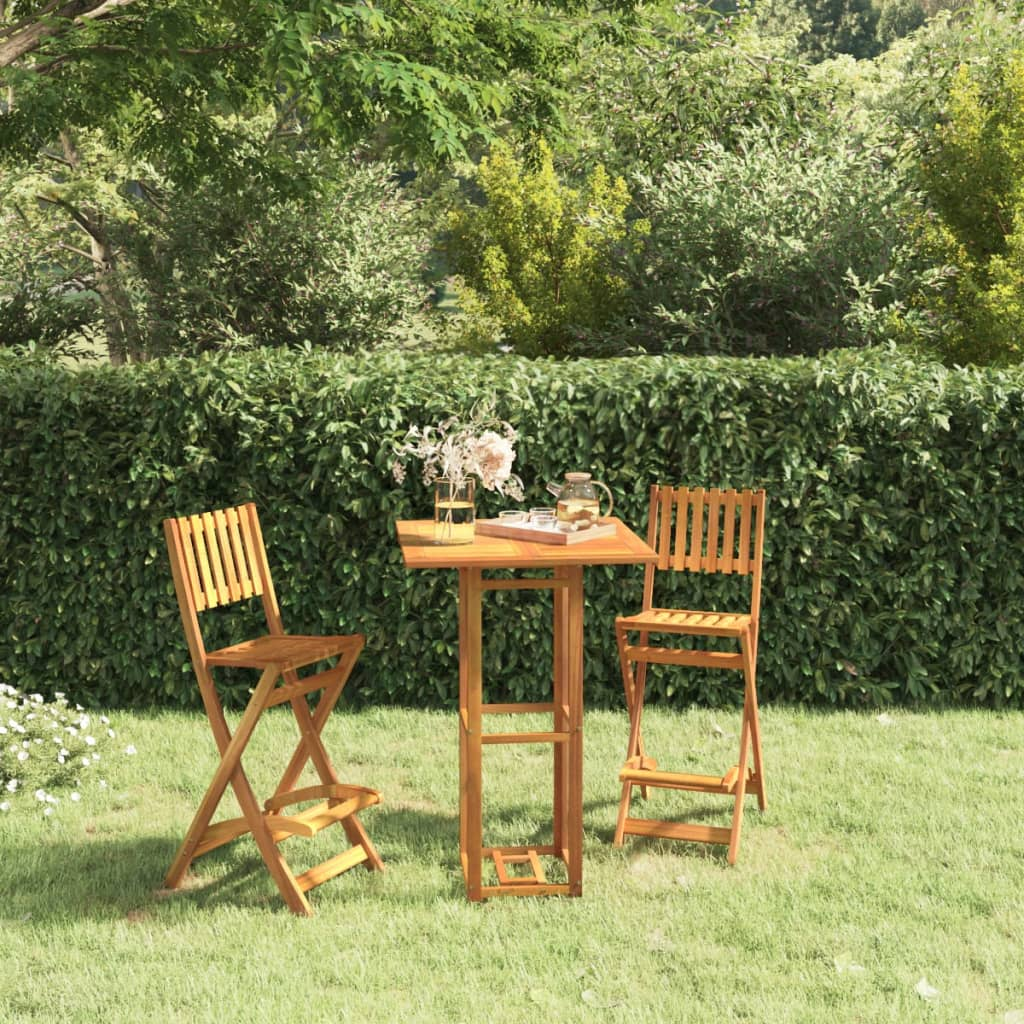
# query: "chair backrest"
{"type": "Point", "coordinates": [711, 531]}
{"type": "Point", "coordinates": [218, 558]}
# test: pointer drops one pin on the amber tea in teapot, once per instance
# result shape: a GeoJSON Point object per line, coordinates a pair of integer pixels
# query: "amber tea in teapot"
{"type": "Point", "coordinates": [578, 502]}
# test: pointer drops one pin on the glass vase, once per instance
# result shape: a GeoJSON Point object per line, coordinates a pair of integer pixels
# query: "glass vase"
{"type": "Point", "coordinates": [454, 511]}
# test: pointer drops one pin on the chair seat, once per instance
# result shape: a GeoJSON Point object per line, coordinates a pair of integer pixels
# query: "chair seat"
{"type": "Point", "coordinates": [673, 620]}
{"type": "Point", "coordinates": [285, 651]}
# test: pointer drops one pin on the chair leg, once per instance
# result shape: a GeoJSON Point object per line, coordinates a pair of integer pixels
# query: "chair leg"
{"type": "Point", "coordinates": [311, 747]}
{"type": "Point", "coordinates": [746, 732]}
{"type": "Point", "coordinates": [231, 748]}
{"type": "Point", "coordinates": [633, 682]}
{"type": "Point", "coordinates": [620, 824]}
{"type": "Point", "coordinates": [230, 771]}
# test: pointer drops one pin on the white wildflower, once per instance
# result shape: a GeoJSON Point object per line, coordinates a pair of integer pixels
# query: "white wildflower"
{"type": "Point", "coordinates": [130, 749]}
{"type": "Point", "coordinates": [90, 741]}
{"type": "Point", "coordinates": [22, 755]}
{"type": "Point", "coordinates": [5, 805]}
{"type": "Point", "coordinates": [76, 796]}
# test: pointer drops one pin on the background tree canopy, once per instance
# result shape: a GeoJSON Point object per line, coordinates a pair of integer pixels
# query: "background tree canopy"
{"type": "Point", "coordinates": [779, 177]}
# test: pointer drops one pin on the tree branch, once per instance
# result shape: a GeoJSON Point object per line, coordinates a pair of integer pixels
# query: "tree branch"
{"type": "Point", "coordinates": [79, 252]}
{"type": "Point", "coordinates": [50, 21]}
{"type": "Point", "coordinates": [76, 215]}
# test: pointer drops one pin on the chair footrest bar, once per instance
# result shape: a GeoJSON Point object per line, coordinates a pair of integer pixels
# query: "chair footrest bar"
{"type": "Point", "coordinates": [653, 828]}
{"type": "Point", "coordinates": [221, 833]}
{"type": "Point", "coordinates": [316, 818]}
{"type": "Point", "coordinates": [335, 866]}
{"type": "Point", "coordinates": [328, 792]}
{"type": "Point", "coordinates": [698, 659]}
{"type": "Point", "coordinates": [681, 780]}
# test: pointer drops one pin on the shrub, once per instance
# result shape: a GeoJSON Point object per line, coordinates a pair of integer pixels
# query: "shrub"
{"type": "Point", "coordinates": [340, 266]}
{"type": "Point", "coordinates": [973, 173]}
{"type": "Point", "coordinates": [47, 747]}
{"type": "Point", "coordinates": [773, 248]}
{"type": "Point", "coordinates": [896, 502]}
{"type": "Point", "coordinates": [536, 258]}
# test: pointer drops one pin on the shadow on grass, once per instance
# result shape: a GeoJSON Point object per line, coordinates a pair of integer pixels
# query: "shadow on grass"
{"type": "Point", "coordinates": [103, 877]}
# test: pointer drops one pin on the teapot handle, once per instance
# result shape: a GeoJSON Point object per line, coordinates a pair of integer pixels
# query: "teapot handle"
{"type": "Point", "coordinates": [607, 490]}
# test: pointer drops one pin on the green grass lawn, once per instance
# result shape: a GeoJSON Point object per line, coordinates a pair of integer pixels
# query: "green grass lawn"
{"type": "Point", "coordinates": [892, 851]}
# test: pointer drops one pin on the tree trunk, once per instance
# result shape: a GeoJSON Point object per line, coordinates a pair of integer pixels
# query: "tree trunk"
{"type": "Point", "coordinates": [118, 315]}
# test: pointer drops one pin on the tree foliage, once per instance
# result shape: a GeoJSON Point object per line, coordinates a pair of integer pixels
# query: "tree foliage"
{"type": "Point", "coordinates": [537, 258]}
{"type": "Point", "coordinates": [777, 247]}
{"type": "Point", "coordinates": [969, 159]}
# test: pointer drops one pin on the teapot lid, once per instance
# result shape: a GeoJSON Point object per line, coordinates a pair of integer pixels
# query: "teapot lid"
{"type": "Point", "coordinates": [577, 478]}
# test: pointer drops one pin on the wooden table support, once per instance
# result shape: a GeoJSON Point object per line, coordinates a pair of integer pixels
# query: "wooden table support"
{"type": "Point", "coordinates": [566, 704]}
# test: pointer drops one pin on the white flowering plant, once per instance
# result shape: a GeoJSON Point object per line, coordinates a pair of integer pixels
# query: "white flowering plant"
{"type": "Point", "coordinates": [48, 746]}
{"type": "Point", "coordinates": [482, 446]}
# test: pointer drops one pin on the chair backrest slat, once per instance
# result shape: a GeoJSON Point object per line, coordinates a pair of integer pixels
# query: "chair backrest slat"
{"type": "Point", "coordinates": [221, 557]}
{"type": "Point", "coordinates": [711, 559]}
{"type": "Point", "coordinates": [727, 561]}
{"type": "Point", "coordinates": [714, 531]}
{"type": "Point", "coordinates": [744, 560]}
{"type": "Point", "coordinates": [245, 570]}
{"type": "Point", "coordinates": [694, 559]}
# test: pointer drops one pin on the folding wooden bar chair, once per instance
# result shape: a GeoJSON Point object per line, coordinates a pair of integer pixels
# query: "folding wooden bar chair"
{"type": "Point", "coordinates": [218, 558]}
{"type": "Point", "coordinates": [710, 531]}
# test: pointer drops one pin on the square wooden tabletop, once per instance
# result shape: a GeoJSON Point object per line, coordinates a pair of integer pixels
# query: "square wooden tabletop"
{"type": "Point", "coordinates": [421, 552]}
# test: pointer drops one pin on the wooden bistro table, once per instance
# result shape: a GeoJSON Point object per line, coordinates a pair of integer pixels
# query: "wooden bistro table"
{"type": "Point", "coordinates": [566, 707]}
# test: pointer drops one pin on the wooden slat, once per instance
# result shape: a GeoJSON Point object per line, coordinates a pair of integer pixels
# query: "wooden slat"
{"type": "Point", "coordinates": [336, 791]}
{"type": "Point", "coordinates": [693, 559]}
{"type": "Point", "coordinates": [516, 709]}
{"type": "Point", "coordinates": [679, 547]}
{"type": "Point", "coordinates": [216, 561]}
{"type": "Point", "coordinates": [524, 737]}
{"type": "Point", "coordinates": [673, 830]}
{"type": "Point", "coordinates": [221, 833]}
{"type": "Point", "coordinates": [226, 557]}
{"type": "Point", "coordinates": [335, 866]}
{"type": "Point", "coordinates": [546, 851]}
{"type": "Point", "coordinates": [675, 780]}
{"type": "Point", "coordinates": [251, 549]}
{"type": "Point", "coordinates": [531, 584]}
{"type": "Point", "coordinates": [665, 532]}
{"type": "Point", "coordinates": [534, 889]}
{"type": "Point", "coordinates": [185, 533]}
{"type": "Point", "coordinates": [693, 659]}
{"type": "Point", "coordinates": [725, 563]}
{"type": "Point", "coordinates": [243, 569]}
{"type": "Point", "coordinates": [743, 562]}
{"type": "Point", "coordinates": [536, 877]}
{"type": "Point", "coordinates": [711, 559]}
{"type": "Point", "coordinates": [203, 562]}
{"type": "Point", "coordinates": [289, 691]}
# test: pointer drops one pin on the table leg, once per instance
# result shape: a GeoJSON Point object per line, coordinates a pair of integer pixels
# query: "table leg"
{"type": "Point", "coordinates": [572, 620]}
{"type": "Point", "coordinates": [470, 729]}
{"type": "Point", "coordinates": [561, 700]}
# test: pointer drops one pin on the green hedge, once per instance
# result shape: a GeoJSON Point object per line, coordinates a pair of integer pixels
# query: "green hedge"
{"type": "Point", "coordinates": [894, 542]}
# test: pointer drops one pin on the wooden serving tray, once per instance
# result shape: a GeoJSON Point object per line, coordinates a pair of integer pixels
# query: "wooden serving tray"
{"type": "Point", "coordinates": [538, 535]}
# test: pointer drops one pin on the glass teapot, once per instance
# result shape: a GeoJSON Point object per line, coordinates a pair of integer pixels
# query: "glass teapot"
{"type": "Point", "coordinates": [578, 501]}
